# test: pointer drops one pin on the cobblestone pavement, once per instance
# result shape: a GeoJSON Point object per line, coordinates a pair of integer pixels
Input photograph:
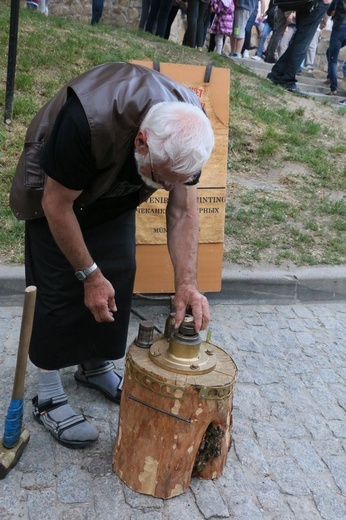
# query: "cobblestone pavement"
{"type": "Point", "coordinates": [288, 459]}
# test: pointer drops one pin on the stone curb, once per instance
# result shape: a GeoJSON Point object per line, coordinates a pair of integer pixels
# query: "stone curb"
{"type": "Point", "coordinates": [258, 285]}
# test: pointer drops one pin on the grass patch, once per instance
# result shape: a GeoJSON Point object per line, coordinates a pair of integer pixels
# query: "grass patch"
{"type": "Point", "coordinates": [286, 170]}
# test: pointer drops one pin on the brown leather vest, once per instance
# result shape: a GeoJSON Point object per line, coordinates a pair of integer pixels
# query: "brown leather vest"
{"type": "Point", "coordinates": [115, 98]}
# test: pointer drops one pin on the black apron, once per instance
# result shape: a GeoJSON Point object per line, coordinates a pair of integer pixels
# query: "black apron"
{"type": "Point", "coordinates": [65, 332]}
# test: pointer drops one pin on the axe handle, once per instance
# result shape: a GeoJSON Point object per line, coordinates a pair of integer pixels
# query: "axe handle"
{"type": "Point", "coordinates": [24, 341]}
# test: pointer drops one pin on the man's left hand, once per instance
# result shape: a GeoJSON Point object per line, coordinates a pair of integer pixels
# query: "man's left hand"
{"type": "Point", "coordinates": [188, 296]}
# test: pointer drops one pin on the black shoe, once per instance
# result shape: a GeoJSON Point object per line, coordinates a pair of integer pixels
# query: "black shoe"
{"type": "Point", "coordinates": [292, 87]}
{"type": "Point", "coordinates": [271, 78]}
{"type": "Point", "coordinates": [270, 60]}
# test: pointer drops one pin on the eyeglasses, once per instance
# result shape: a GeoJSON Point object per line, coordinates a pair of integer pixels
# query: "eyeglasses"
{"type": "Point", "coordinates": [169, 183]}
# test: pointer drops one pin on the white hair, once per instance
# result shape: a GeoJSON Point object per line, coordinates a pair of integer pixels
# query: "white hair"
{"type": "Point", "coordinates": [179, 135]}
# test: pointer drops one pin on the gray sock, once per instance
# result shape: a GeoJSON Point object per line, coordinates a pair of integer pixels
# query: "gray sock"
{"type": "Point", "coordinates": [108, 381]}
{"type": "Point", "coordinates": [49, 385]}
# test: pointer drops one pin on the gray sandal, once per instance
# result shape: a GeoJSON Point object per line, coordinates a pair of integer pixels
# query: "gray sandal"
{"type": "Point", "coordinates": [56, 428]}
{"type": "Point", "coordinates": [82, 376]}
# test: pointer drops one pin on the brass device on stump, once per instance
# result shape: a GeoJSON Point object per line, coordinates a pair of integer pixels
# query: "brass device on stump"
{"type": "Point", "coordinates": [176, 410]}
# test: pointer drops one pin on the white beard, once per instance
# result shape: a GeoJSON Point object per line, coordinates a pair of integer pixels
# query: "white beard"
{"type": "Point", "coordinates": [141, 161]}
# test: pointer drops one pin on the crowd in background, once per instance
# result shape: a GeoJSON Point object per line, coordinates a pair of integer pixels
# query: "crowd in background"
{"type": "Point", "coordinates": [220, 25]}
{"type": "Point", "coordinates": [210, 23]}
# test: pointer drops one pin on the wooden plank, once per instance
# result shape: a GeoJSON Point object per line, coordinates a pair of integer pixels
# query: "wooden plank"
{"type": "Point", "coordinates": [155, 272]}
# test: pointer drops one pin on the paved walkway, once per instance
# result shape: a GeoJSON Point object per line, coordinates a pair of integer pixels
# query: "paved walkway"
{"type": "Point", "coordinates": [288, 459]}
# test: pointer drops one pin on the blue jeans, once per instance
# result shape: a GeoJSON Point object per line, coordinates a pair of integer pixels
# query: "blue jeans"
{"type": "Point", "coordinates": [267, 29]}
{"type": "Point", "coordinates": [97, 10]}
{"type": "Point", "coordinates": [248, 29]}
{"type": "Point", "coordinates": [336, 42]}
{"type": "Point", "coordinates": [285, 69]}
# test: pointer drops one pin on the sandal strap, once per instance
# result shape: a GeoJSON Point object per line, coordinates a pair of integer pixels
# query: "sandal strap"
{"type": "Point", "coordinates": [98, 371]}
{"type": "Point", "coordinates": [58, 427]}
{"type": "Point", "coordinates": [47, 406]}
{"type": "Point", "coordinates": [41, 412]}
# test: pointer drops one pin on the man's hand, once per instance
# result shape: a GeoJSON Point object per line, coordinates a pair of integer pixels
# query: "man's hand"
{"type": "Point", "coordinates": [188, 296]}
{"type": "Point", "coordinates": [99, 297]}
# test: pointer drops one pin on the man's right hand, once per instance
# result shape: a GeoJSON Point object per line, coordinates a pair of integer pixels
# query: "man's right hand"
{"type": "Point", "coordinates": [99, 297]}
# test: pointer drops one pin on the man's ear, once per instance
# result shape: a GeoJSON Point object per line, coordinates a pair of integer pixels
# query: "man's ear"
{"type": "Point", "coordinates": [141, 143]}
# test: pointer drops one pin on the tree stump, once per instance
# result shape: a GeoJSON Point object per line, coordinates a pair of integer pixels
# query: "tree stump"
{"type": "Point", "coordinates": [173, 426]}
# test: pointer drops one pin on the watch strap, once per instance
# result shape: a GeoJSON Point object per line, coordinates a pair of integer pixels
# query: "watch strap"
{"type": "Point", "coordinates": [84, 273]}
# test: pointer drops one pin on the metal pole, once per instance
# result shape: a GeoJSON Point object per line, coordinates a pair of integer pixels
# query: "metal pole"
{"type": "Point", "coordinates": [11, 61]}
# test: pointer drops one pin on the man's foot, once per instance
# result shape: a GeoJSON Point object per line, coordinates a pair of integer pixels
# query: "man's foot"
{"type": "Point", "coordinates": [332, 93]}
{"type": "Point", "coordinates": [246, 54]}
{"type": "Point", "coordinates": [68, 428]}
{"type": "Point", "coordinates": [342, 102]}
{"type": "Point", "coordinates": [235, 55]}
{"type": "Point", "coordinates": [102, 378]}
{"type": "Point", "coordinates": [257, 58]}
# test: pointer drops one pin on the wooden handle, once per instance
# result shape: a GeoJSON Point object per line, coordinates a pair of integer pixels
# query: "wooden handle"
{"type": "Point", "coordinates": [24, 341]}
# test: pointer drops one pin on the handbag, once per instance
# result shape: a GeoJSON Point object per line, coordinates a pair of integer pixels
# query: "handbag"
{"type": "Point", "coordinates": [296, 5]}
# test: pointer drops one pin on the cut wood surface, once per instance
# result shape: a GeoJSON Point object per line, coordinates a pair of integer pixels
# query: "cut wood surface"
{"type": "Point", "coordinates": [173, 426]}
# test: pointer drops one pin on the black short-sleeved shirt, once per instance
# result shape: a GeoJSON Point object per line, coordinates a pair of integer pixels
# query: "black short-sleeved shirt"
{"type": "Point", "coordinates": [67, 158]}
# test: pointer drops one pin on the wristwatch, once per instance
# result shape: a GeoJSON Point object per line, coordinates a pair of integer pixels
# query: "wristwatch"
{"type": "Point", "coordinates": [83, 274]}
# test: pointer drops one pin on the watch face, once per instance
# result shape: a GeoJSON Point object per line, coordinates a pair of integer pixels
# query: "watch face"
{"type": "Point", "coordinates": [80, 275]}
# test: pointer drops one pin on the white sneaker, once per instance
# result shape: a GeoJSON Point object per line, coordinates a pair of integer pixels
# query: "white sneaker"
{"type": "Point", "coordinates": [257, 58]}
{"type": "Point", "coordinates": [246, 54]}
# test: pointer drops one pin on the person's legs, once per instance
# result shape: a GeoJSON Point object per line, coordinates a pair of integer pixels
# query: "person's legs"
{"type": "Point", "coordinates": [248, 29]}
{"type": "Point", "coordinates": [162, 18]}
{"type": "Point", "coordinates": [280, 25]}
{"type": "Point", "coordinates": [241, 17]}
{"type": "Point", "coordinates": [97, 10]}
{"type": "Point", "coordinates": [152, 16]}
{"type": "Point", "coordinates": [43, 7]}
{"type": "Point", "coordinates": [337, 40]}
{"type": "Point", "coordinates": [311, 52]}
{"type": "Point", "coordinates": [218, 43]}
{"type": "Point", "coordinates": [285, 40]}
{"type": "Point", "coordinates": [202, 13]}
{"type": "Point", "coordinates": [344, 69]}
{"type": "Point", "coordinates": [265, 33]}
{"type": "Point", "coordinates": [192, 15]}
{"type": "Point", "coordinates": [64, 331]}
{"type": "Point", "coordinates": [171, 17]}
{"type": "Point", "coordinates": [51, 409]}
{"type": "Point", "coordinates": [285, 69]}
{"type": "Point", "coordinates": [144, 14]}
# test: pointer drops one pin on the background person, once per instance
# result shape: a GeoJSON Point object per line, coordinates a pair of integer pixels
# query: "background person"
{"type": "Point", "coordinates": [337, 10]}
{"type": "Point", "coordinates": [243, 10]}
{"type": "Point", "coordinates": [285, 69]}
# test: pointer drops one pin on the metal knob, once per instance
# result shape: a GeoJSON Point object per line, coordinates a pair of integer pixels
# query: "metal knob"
{"type": "Point", "coordinates": [145, 334]}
